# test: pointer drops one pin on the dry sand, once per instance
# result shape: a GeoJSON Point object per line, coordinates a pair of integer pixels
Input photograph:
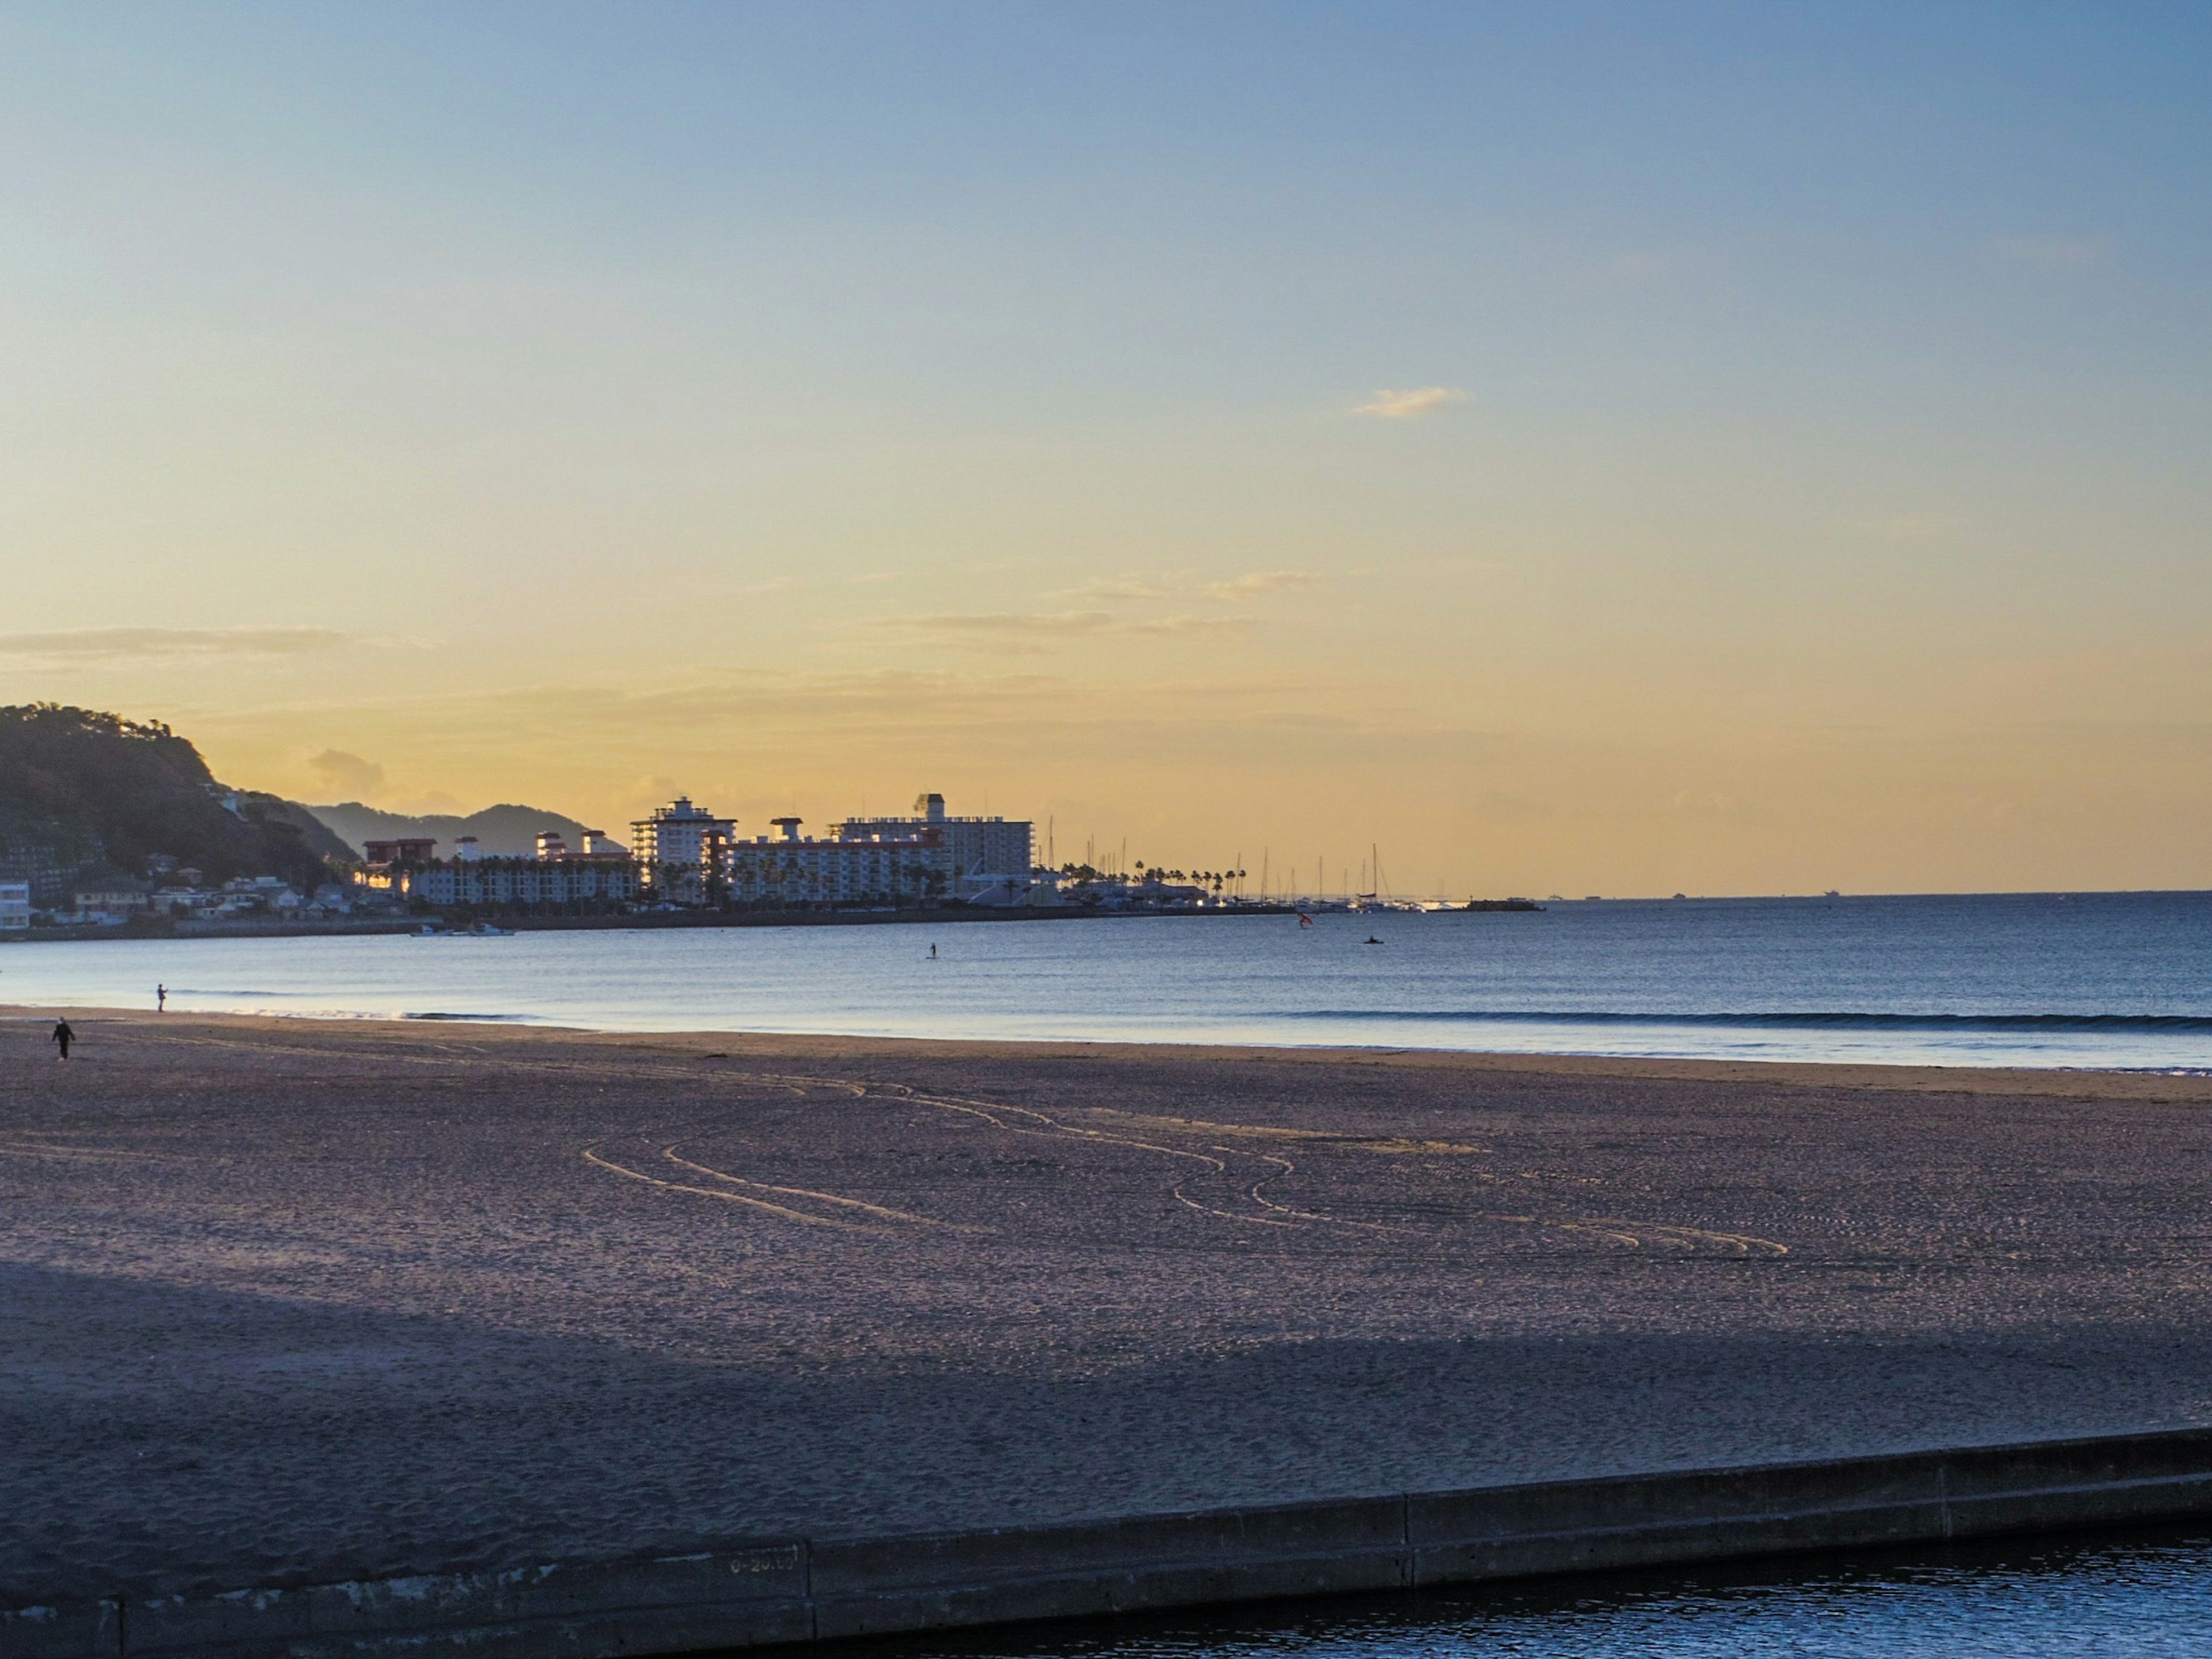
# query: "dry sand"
{"type": "Point", "coordinates": [284, 1302]}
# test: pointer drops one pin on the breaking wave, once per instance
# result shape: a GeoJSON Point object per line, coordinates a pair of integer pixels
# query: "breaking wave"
{"type": "Point", "coordinates": [1820, 1020]}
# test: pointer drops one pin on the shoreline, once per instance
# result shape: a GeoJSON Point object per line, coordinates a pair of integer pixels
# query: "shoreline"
{"type": "Point", "coordinates": [678, 921]}
{"type": "Point", "coordinates": [2035, 1082]}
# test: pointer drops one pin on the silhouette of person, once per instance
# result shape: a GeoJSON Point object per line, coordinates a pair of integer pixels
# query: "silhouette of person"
{"type": "Point", "coordinates": [61, 1038]}
{"type": "Point", "coordinates": [933, 953]}
{"type": "Point", "coordinates": [161, 998]}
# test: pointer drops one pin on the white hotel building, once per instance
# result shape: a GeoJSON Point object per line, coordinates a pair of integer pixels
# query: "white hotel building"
{"type": "Point", "coordinates": [983, 854]}
{"type": "Point", "coordinates": [694, 856]}
{"type": "Point", "coordinates": [788, 868]}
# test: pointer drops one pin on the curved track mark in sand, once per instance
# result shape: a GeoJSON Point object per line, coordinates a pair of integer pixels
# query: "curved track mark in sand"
{"type": "Point", "coordinates": [1632, 1234]}
{"type": "Point", "coordinates": [881, 1211]}
{"type": "Point", "coordinates": [1050, 1128]}
{"type": "Point", "coordinates": [591, 1155]}
{"type": "Point", "coordinates": [82, 1154]}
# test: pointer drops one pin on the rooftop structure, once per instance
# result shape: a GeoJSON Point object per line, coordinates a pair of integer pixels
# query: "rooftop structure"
{"type": "Point", "coordinates": [402, 849]}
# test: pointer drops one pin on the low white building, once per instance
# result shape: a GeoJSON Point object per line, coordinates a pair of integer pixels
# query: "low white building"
{"type": "Point", "coordinates": [496, 883]}
{"type": "Point", "coordinates": [989, 861]}
{"type": "Point", "coordinates": [105, 895]}
{"type": "Point", "coordinates": [788, 868]}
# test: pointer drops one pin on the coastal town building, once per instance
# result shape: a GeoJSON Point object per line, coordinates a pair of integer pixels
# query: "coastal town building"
{"type": "Point", "coordinates": [498, 884]}
{"type": "Point", "coordinates": [401, 850]}
{"type": "Point", "coordinates": [680, 850]}
{"type": "Point", "coordinates": [14, 906]}
{"type": "Point", "coordinates": [788, 868]}
{"type": "Point", "coordinates": [683, 854]}
{"type": "Point", "coordinates": [385, 861]}
{"type": "Point", "coordinates": [989, 860]}
{"type": "Point", "coordinates": [592, 844]}
{"type": "Point", "coordinates": [108, 895]}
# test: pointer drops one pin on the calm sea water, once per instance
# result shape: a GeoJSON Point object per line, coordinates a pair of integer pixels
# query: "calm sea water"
{"type": "Point", "coordinates": [2147, 1596]}
{"type": "Point", "coordinates": [2096, 979]}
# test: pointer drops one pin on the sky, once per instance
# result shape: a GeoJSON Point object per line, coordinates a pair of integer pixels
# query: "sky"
{"type": "Point", "coordinates": [1573, 448]}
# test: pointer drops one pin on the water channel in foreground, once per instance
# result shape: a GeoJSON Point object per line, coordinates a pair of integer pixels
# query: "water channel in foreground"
{"type": "Point", "coordinates": [2143, 1594]}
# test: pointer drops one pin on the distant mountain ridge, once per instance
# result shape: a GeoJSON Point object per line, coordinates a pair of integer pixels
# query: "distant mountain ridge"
{"type": "Point", "coordinates": [506, 831]}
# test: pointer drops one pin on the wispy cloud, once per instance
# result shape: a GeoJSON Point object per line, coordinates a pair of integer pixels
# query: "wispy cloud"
{"type": "Point", "coordinates": [1253, 583]}
{"type": "Point", "coordinates": [1121, 587]}
{"type": "Point", "coordinates": [2054, 252]}
{"type": "Point", "coordinates": [120, 644]}
{"type": "Point", "coordinates": [1015, 633]}
{"type": "Point", "coordinates": [345, 773]}
{"type": "Point", "coordinates": [1190, 624]}
{"type": "Point", "coordinates": [1411, 405]}
{"type": "Point", "coordinates": [1002, 622]}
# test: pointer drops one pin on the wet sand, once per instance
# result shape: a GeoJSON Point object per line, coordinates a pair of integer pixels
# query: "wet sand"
{"type": "Point", "coordinates": [288, 1302]}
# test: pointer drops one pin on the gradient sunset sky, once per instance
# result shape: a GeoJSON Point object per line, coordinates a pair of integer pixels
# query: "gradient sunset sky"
{"type": "Point", "coordinates": [1608, 449]}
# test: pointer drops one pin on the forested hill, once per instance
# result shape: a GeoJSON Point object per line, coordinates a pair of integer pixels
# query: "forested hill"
{"type": "Point", "coordinates": [78, 787]}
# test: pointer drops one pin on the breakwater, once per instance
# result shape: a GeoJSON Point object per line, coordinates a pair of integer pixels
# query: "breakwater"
{"type": "Point", "coordinates": [781, 1591]}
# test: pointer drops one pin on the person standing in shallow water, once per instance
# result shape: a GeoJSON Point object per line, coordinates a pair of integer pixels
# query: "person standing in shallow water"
{"type": "Point", "coordinates": [62, 1037]}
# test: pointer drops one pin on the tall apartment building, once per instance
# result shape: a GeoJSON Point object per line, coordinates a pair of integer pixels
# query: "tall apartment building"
{"type": "Point", "coordinates": [978, 849]}
{"type": "Point", "coordinates": [680, 849]}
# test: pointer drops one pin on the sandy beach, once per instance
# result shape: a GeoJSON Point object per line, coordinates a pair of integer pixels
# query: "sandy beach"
{"type": "Point", "coordinates": [288, 1302]}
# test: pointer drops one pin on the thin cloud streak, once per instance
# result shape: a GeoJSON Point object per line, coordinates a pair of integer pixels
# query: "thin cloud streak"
{"type": "Point", "coordinates": [1027, 633]}
{"type": "Point", "coordinates": [1123, 587]}
{"type": "Point", "coordinates": [94, 644]}
{"type": "Point", "coordinates": [1254, 583]}
{"type": "Point", "coordinates": [1408, 405]}
{"type": "Point", "coordinates": [1052, 623]}
{"type": "Point", "coordinates": [1190, 624]}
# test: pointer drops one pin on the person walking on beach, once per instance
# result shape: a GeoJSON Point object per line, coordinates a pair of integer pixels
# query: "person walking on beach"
{"type": "Point", "coordinates": [161, 998]}
{"type": "Point", "coordinates": [61, 1038]}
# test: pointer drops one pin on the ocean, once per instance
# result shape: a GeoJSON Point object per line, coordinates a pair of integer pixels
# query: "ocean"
{"type": "Point", "coordinates": [2094, 979]}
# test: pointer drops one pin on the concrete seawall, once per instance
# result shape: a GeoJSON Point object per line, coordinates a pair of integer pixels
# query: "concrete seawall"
{"type": "Point", "coordinates": [789, 1590]}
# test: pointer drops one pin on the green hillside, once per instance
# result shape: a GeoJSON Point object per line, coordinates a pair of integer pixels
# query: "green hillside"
{"type": "Point", "coordinates": [78, 787]}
